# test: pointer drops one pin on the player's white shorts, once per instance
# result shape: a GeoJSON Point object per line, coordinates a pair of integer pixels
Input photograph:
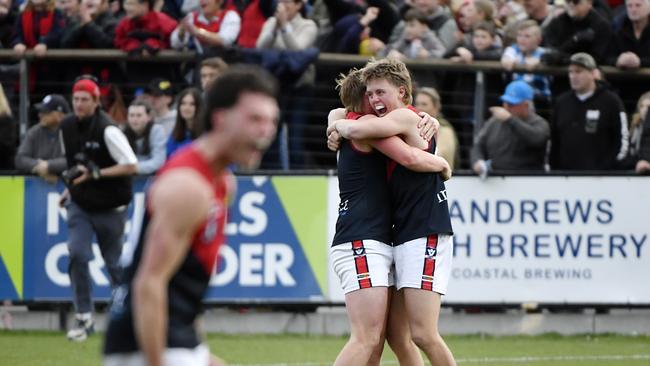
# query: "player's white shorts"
{"type": "Point", "coordinates": [424, 263]}
{"type": "Point", "coordinates": [199, 356]}
{"type": "Point", "coordinates": [363, 264]}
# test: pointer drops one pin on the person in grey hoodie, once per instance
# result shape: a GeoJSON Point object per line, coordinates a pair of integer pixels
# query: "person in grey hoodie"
{"type": "Point", "coordinates": [41, 151]}
{"type": "Point", "coordinates": [514, 138]}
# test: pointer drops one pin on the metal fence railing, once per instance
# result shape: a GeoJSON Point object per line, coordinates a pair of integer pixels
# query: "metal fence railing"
{"type": "Point", "coordinates": [466, 90]}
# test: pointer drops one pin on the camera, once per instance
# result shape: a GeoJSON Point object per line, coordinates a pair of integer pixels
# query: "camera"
{"type": "Point", "coordinates": [72, 173]}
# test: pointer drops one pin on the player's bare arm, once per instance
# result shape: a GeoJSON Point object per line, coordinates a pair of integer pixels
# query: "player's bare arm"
{"type": "Point", "coordinates": [334, 138]}
{"type": "Point", "coordinates": [180, 202]}
{"type": "Point", "coordinates": [401, 121]}
{"type": "Point", "coordinates": [411, 157]}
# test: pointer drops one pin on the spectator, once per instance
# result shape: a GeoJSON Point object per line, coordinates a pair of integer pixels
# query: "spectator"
{"type": "Point", "coordinates": [287, 29]}
{"type": "Point", "coordinates": [146, 138]}
{"type": "Point", "coordinates": [93, 28]}
{"type": "Point", "coordinates": [362, 31]}
{"type": "Point", "coordinates": [254, 14]}
{"type": "Point", "coordinates": [428, 100]}
{"type": "Point", "coordinates": [631, 43]}
{"type": "Point", "coordinates": [643, 165]}
{"type": "Point", "coordinates": [100, 163]}
{"type": "Point", "coordinates": [178, 9]}
{"type": "Point", "coordinates": [38, 27]}
{"type": "Point", "coordinates": [187, 113]}
{"type": "Point", "coordinates": [514, 138]}
{"type": "Point", "coordinates": [143, 31]}
{"type": "Point", "coordinates": [637, 126]}
{"type": "Point", "coordinates": [473, 12]}
{"type": "Point", "coordinates": [579, 29]}
{"type": "Point", "coordinates": [482, 46]}
{"type": "Point", "coordinates": [160, 94]}
{"type": "Point", "coordinates": [8, 15]}
{"type": "Point", "coordinates": [69, 8]}
{"type": "Point", "coordinates": [528, 53]}
{"type": "Point", "coordinates": [40, 151]}
{"type": "Point", "coordinates": [209, 27]}
{"type": "Point", "coordinates": [209, 70]}
{"type": "Point", "coordinates": [589, 126]}
{"type": "Point", "coordinates": [538, 10]}
{"type": "Point", "coordinates": [440, 19]}
{"type": "Point", "coordinates": [417, 41]}
{"type": "Point", "coordinates": [8, 133]}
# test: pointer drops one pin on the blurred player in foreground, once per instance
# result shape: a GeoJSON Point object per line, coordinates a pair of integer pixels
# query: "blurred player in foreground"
{"type": "Point", "coordinates": [152, 320]}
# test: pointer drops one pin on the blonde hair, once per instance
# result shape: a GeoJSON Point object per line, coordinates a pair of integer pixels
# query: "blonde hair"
{"type": "Point", "coordinates": [433, 95]}
{"type": "Point", "coordinates": [530, 24]}
{"type": "Point", "coordinates": [636, 117]}
{"type": "Point", "coordinates": [352, 90]}
{"type": "Point", "coordinates": [5, 109]}
{"type": "Point", "coordinates": [394, 71]}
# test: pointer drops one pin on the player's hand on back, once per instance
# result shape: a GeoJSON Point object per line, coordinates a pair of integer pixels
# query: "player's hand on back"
{"type": "Point", "coordinates": [428, 126]}
{"type": "Point", "coordinates": [334, 140]}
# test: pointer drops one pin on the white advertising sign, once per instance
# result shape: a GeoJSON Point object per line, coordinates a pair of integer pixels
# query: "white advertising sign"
{"type": "Point", "coordinates": [549, 239]}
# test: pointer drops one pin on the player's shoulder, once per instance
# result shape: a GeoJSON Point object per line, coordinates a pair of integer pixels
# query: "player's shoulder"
{"type": "Point", "coordinates": [182, 188]}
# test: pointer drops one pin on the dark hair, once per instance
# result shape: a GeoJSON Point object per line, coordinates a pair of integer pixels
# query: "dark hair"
{"type": "Point", "coordinates": [133, 137]}
{"type": "Point", "coordinates": [415, 14]}
{"type": "Point", "coordinates": [181, 127]}
{"type": "Point", "coordinates": [227, 88]}
{"type": "Point", "coordinates": [486, 27]}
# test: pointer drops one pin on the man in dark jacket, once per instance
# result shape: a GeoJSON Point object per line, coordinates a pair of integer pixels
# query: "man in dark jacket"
{"type": "Point", "coordinates": [579, 29]}
{"type": "Point", "coordinates": [100, 162]}
{"type": "Point", "coordinates": [589, 127]}
{"type": "Point", "coordinates": [514, 138]}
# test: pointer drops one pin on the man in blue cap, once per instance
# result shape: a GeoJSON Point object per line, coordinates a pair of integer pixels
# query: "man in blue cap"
{"type": "Point", "coordinates": [515, 137]}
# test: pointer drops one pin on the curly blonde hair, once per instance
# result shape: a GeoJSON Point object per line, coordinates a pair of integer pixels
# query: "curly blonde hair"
{"type": "Point", "coordinates": [392, 70]}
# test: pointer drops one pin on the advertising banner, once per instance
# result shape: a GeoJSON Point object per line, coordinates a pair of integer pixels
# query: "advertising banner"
{"type": "Point", "coordinates": [551, 240]}
{"type": "Point", "coordinates": [275, 251]}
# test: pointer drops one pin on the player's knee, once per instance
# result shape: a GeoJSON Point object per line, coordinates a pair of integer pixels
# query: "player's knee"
{"type": "Point", "coordinates": [425, 338]}
{"type": "Point", "coordinates": [369, 340]}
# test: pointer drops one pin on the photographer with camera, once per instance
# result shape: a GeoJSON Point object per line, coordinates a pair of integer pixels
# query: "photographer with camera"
{"type": "Point", "coordinates": [100, 164]}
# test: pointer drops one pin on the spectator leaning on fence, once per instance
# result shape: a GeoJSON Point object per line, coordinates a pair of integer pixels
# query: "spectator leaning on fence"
{"type": "Point", "coordinates": [288, 29]}
{"type": "Point", "coordinates": [93, 28]}
{"type": "Point", "coordinates": [417, 41]}
{"type": "Point", "coordinates": [527, 53]}
{"type": "Point", "coordinates": [147, 139]}
{"type": "Point", "coordinates": [589, 127]}
{"type": "Point", "coordinates": [210, 27]}
{"type": "Point", "coordinates": [441, 22]}
{"type": "Point", "coordinates": [515, 137]}
{"type": "Point", "coordinates": [481, 47]}
{"type": "Point", "coordinates": [579, 29]}
{"type": "Point", "coordinates": [631, 43]}
{"type": "Point", "coordinates": [41, 151]}
{"type": "Point", "coordinates": [143, 31]}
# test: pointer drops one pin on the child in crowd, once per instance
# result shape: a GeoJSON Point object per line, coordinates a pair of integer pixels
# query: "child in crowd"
{"type": "Point", "coordinates": [483, 46]}
{"type": "Point", "coordinates": [527, 52]}
{"type": "Point", "coordinates": [417, 41]}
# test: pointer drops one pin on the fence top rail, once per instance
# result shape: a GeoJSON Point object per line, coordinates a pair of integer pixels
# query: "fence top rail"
{"type": "Point", "coordinates": [324, 59]}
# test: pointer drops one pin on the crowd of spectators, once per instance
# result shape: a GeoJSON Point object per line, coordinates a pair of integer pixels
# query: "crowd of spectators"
{"type": "Point", "coordinates": [521, 34]}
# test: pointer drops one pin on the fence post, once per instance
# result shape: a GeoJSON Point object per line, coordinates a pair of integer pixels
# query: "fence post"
{"type": "Point", "coordinates": [283, 145]}
{"type": "Point", "coordinates": [23, 106]}
{"type": "Point", "coordinates": [479, 101]}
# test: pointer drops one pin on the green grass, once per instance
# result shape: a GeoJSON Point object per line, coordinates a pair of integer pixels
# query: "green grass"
{"type": "Point", "coordinates": [52, 349]}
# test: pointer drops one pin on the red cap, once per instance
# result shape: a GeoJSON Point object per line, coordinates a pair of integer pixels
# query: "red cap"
{"type": "Point", "coordinates": [87, 86]}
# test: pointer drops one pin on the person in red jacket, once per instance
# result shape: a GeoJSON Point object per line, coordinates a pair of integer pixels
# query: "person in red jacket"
{"type": "Point", "coordinates": [143, 31]}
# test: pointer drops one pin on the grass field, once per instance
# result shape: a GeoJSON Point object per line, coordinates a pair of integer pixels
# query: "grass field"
{"type": "Point", "coordinates": [52, 349]}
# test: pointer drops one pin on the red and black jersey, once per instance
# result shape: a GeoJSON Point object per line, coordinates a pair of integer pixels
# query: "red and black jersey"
{"type": "Point", "coordinates": [364, 209]}
{"type": "Point", "coordinates": [189, 284]}
{"type": "Point", "coordinates": [419, 202]}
